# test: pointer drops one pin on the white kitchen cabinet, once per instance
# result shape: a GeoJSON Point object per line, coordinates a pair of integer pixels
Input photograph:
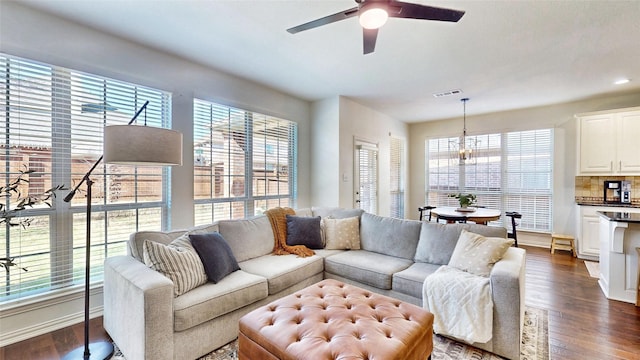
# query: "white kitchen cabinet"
{"type": "Point", "coordinates": [609, 142]}
{"type": "Point", "coordinates": [588, 241]}
{"type": "Point", "coordinates": [628, 149]}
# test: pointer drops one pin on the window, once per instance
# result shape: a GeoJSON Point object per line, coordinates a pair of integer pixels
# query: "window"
{"type": "Point", "coordinates": [53, 122]}
{"type": "Point", "coordinates": [397, 184]}
{"type": "Point", "coordinates": [513, 172]}
{"type": "Point", "coordinates": [244, 162]}
{"type": "Point", "coordinates": [366, 179]}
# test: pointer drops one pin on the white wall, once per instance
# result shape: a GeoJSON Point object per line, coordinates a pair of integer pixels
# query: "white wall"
{"type": "Point", "coordinates": [49, 39]}
{"type": "Point", "coordinates": [363, 123]}
{"type": "Point", "coordinates": [560, 117]}
{"type": "Point", "coordinates": [325, 149]}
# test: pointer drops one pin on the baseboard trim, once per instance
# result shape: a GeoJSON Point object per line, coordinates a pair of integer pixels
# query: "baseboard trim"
{"type": "Point", "coordinates": [26, 319]}
{"type": "Point", "coordinates": [46, 327]}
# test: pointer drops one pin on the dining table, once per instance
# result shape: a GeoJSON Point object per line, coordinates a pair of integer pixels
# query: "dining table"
{"type": "Point", "coordinates": [477, 215]}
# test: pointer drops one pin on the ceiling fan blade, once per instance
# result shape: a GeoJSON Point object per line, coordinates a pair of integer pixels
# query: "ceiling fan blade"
{"type": "Point", "coordinates": [325, 20]}
{"type": "Point", "coordinates": [369, 40]}
{"type": "Point", "coordinates": [405, 10]}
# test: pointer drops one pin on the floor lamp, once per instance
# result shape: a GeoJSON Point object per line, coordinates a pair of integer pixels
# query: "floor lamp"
{"type": "Point", "coordinates": [124, 145]}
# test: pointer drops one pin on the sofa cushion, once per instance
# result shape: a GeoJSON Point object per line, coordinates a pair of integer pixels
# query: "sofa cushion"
{"type": "Point", "coordinates": [437, 241]}
{"type": "Point", "coordinates": [135, 245]}
{"type": "Point", "coordinates": [302, 230]}
{"type": "Point", "coordinates": [210, 300]}
{"type": "Point", "coordinates": [283, 271]}
{"type": "Point", "coordinates": [215, 254]}
{"type": "Point", "coordinates": [304, 212]}
{"type": "Point", "coordinates": [178, 261]}
{"type": "Point", "coordinates": [409, 281]}
{"type": "Point", "coordinates": [389, 236]}
{"type": "Point", "coordinates": [336, 212]}
{"type": "Point", "coordinates": [248, 238]}
{"type": "Point", "coordinates": [342, 234]}
{"type": "Point", "coordinates": [366, 267]}
{"type": "Point", "coordinates": [476, 254]}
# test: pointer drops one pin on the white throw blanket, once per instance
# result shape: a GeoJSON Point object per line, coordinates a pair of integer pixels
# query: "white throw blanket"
{"type": "Point", "coordinates": [461, 304]}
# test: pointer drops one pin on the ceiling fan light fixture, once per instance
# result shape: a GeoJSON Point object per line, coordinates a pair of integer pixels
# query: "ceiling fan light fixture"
{"type": "Point", "coordinates": [373, 17]}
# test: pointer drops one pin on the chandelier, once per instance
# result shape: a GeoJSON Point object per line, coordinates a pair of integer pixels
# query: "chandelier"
{"type": "Point", "coordinates": [465, 147]}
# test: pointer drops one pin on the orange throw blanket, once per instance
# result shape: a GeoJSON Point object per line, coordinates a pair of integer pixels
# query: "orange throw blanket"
{"type": "Point", "coordinates": [278, 219]}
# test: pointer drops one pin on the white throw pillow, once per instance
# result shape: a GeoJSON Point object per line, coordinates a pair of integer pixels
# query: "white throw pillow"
{"type": "Point", "coordinates": [178, 261]}
{"type": "Point", "coordinates": [342, 234]}
{"type": "Point", "coordinates": [476, 254]}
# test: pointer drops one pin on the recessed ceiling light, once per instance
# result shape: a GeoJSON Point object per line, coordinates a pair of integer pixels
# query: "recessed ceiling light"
{"type": "Point", "coordinates": [621, 81]}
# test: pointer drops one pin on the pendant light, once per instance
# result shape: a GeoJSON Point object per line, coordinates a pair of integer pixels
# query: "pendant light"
{"type": "Point", "coordinates": [464, 149]}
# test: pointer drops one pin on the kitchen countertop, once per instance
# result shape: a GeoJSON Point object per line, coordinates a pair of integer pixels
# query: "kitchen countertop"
{"type": "Point", "coordinates": [609, 205]}
{"type": "Point", "coordinates": [620, 216]}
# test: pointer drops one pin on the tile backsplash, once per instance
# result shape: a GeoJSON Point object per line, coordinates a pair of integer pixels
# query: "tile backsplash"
{"type": "Point", "coordinates": [590, 189]}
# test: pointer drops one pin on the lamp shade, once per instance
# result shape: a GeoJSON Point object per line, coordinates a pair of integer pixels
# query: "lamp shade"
{"type": "Point", "coordinates": [142, 145]}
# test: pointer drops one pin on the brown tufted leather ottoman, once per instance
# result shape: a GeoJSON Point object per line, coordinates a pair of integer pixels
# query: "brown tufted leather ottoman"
{"type": "Point", "coordinates": [331, 320]}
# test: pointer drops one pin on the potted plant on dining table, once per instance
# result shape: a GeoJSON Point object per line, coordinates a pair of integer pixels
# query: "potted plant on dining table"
{"type": "Point", "coordinates": [465, 200]}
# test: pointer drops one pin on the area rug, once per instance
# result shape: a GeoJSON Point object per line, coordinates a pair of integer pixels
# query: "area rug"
{"type": "Point", "coordinates": [593, 268]}
{"type": "Point", "coordinates": [535, 344]}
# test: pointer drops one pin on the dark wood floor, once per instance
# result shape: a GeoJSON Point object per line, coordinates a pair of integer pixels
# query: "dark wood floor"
{"type": "Point", "coordinates": [583, 324]}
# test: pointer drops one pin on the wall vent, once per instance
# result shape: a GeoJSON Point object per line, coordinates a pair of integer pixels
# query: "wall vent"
{"type": "Point", "coordinates": [447, 93]}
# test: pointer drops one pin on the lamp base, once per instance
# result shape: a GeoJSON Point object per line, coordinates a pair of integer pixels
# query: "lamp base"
{"type": "Point", "coordinates": [99, 351]}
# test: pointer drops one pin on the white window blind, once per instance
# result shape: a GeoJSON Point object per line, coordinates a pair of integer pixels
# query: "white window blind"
{"type": "Point", "coordinates": [244, 162]}
{"type": "Point", "coordinates": [513, 173]}
{"type": "Point", "coordinates": [528, 170]}
{"type": "Point", "coordinates": [367, 177]}
{"type": "Point", "coordinates": [397, 182]}
{"type": "Point", "coordinates": [53, 123]}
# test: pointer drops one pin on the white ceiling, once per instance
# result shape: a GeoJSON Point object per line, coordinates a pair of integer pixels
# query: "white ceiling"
{"type": "Point", "coordinates": [503, 54]}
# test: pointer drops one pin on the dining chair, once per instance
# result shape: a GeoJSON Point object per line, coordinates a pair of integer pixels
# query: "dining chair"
{"type": "Point", "coordinates": [513, 234]}
{"type": "Point", "coordinates": [452, 219]}
{"type": "Point", "coordinates": [424, 209]}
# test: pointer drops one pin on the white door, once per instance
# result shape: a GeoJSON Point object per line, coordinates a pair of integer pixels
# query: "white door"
{"type": "Point", "coordinates": [366, 176]}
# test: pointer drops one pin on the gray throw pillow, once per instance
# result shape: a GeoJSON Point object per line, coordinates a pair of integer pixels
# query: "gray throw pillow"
{"type": "Point", "coordinates": [302, 230]}
{"type": "Point", "coordinates": [216, 255]}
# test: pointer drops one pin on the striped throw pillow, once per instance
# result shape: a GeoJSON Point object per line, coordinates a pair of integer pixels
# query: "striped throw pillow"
{"type": "Point", "coordinates": [178, 261]}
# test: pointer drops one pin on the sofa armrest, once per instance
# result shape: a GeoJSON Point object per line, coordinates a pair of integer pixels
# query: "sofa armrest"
{"type": "Point", "coordinates": [138, 309]}
{"type": "Point", "coordinates": [507, 288]}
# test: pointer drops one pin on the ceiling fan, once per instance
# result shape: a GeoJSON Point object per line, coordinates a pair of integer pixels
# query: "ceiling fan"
{"type": "Point", "coordinates": [374, 13]}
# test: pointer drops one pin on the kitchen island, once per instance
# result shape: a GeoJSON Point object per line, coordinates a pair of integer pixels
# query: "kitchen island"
{"type": "Point", "coordinates": [619, 238]}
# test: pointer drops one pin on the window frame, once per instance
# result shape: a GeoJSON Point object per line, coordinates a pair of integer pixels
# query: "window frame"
{"type": "Point", "coordinates": [533, 220]}
{"type": "Point", "coordinates": [71, 122]}
{"type": "Point", "coordinates": [208, 209]}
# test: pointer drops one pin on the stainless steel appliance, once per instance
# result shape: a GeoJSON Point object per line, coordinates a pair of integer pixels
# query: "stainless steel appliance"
{"type": "Point", "coordinates": [612, 190]}
{"type": "Point", "coordinates": [625, 192]}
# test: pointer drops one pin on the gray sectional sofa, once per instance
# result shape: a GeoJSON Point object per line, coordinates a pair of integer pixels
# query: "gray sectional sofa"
{"type": "Point", "coordinates": [146, 321]}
